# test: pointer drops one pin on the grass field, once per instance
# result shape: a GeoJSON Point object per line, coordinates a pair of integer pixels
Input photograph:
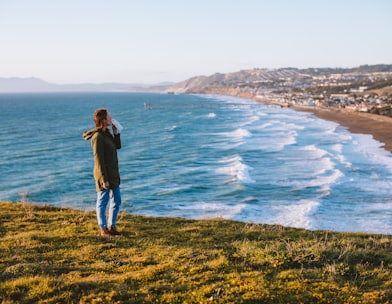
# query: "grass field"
{"type": "Point", "coordinates": [53, 255]}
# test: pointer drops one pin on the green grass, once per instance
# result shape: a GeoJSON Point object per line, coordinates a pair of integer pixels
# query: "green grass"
{"type": "Point", "coordinates": [53, 255]}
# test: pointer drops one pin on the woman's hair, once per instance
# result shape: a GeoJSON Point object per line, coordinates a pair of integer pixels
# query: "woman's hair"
{"type": "Point", "coordinates": [99, 117]}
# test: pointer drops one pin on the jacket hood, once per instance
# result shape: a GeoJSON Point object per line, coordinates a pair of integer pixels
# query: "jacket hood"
{"type": "Point", "coordinates": [88, 134]}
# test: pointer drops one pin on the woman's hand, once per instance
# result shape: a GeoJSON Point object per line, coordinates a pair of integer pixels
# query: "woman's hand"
{"type": "Point", "coordinates": [115, 131]}
{"type": "Point", "coordinates": [106, 185]}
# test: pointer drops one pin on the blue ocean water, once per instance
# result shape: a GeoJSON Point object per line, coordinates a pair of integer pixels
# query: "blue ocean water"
{"type": "Point", "coordinates": [198, 157]}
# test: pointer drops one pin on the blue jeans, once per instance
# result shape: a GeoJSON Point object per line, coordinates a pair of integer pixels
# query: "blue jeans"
{"type": "Point", "coordinates": [102, 201]}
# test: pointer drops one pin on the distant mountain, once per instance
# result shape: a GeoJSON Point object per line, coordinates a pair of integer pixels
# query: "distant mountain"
{"type": "Point", "coordinates": [24, 85]}
{"type": "Point", "coordinates": [35, 85]}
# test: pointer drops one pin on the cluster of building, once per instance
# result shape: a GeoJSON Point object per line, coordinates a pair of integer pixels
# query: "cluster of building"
{"type": "Point", "coordinates": [346, 91]}
{"type": "Point", "coordinates": [365, 88]}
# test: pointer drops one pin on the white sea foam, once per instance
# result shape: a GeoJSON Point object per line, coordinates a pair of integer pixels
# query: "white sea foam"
{"type": "Point", "coordinates": [376, 185]}
{"type": "Point", "coordinates": [250, 120]}
{"type": "Point", "coordinates": [315, 152]}
{"type": "Point", "coordinates": [211, 115]}
{"type": "Point", "coordinates": [171, 128]}
{"type": "Point", "coordinates": [373, 218]}
{"type": "Point", "coordinates": [372, 150]}
{"type": "Point", "coordinates": [171, 190]}
{"type": "Point", "coordinates": [325, 165]}
{"type": "Point", "coordinates": [238, 134]}
{"type": "Point", "coordinates": [249, 199]}
{"type": "Point", "coordinates": [235, 168]}
{"type": "Point", "coordinates": [325, 181]}
{"type": "Point", "coordinates": [223, 145]}
{"type": "Point", "coordinates": [275, 135]}
{"type": "Point", "coordinates": [329, 127]}
{"type": "Point", "coordinates": [265, 125]}
{"type": "Point", "coordinates": [230, 140]}
{"type": "Point", "coordinates": [261, 114]}
{"type": "Point", "coordinates": [314, 167]}
{"type": "Point", "coordinates": [275, 142]}
{"type": "Point", "coordinates": [337, 149]}
{"type": "Point", "coordinates": [314, 160]}
{"type": "Point", "coordinates": [277, 126]}
{"type": "Point", "coordinates": [297, 214]}
{"type": "Point", "coordinates": [289, 116]}
{"type": "Point", "coordinates": [203, 210]}
{"type": "Point", "coordinates": [291, 126]}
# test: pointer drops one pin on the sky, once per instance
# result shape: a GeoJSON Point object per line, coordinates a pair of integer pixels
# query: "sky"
{"type": "Point", "coordinates": [152, 41]}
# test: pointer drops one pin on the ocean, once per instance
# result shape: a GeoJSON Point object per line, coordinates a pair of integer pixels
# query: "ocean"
{"type": "Point", "coordinates": [199, 157]}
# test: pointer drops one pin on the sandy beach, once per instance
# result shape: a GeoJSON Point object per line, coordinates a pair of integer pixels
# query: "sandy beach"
{"type": "Point", "coordinates": [380, 127]}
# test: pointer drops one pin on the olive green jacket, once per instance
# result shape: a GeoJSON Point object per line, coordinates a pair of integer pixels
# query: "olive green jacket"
{"type": "Point", "coordinates": [104, 147]}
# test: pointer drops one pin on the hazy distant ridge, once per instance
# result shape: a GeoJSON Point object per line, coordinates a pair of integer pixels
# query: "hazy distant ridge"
{"type": "Point", "coordinates": [35, 85]}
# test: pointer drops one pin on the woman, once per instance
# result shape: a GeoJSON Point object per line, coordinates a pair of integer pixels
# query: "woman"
{"type": "Point", "coordinates": [106, 173]}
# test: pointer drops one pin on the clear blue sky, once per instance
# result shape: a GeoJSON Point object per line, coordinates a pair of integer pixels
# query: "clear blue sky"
{"type": "Point", "coordinates": [73, 41]}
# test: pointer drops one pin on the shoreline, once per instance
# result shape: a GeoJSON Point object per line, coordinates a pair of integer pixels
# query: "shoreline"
{"type": "Point", "coordinates": [360, 123]}
{"type": "Point", "coordinates": [378, 126]}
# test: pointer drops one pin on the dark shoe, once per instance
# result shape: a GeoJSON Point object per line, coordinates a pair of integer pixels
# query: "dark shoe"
{"type": "Point", "coordinates": [104, 232]}
{"type": "Point", "coordinates": [113, 231]}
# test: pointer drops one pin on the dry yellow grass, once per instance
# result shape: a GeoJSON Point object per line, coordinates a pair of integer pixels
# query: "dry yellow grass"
{"type": "Point", "coordinates": [51, 255]}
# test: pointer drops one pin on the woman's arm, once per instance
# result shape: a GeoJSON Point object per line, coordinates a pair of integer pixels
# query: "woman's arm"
{"type": "Point", "coordinates": [100, 171]}
{"type": "Point", "coordinates": [117, 140]}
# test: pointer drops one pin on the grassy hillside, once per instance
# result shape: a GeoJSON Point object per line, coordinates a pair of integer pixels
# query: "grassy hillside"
{"type": "Point", "coordinates": [52, 255]}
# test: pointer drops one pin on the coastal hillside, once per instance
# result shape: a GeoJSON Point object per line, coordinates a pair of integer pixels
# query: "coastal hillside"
{"type": "Point", "coordinates": [365, 88]}
{"type": "Point", "coordinates": [54, 255]}
{"type": "Point", "coordinates": [289, 79]}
